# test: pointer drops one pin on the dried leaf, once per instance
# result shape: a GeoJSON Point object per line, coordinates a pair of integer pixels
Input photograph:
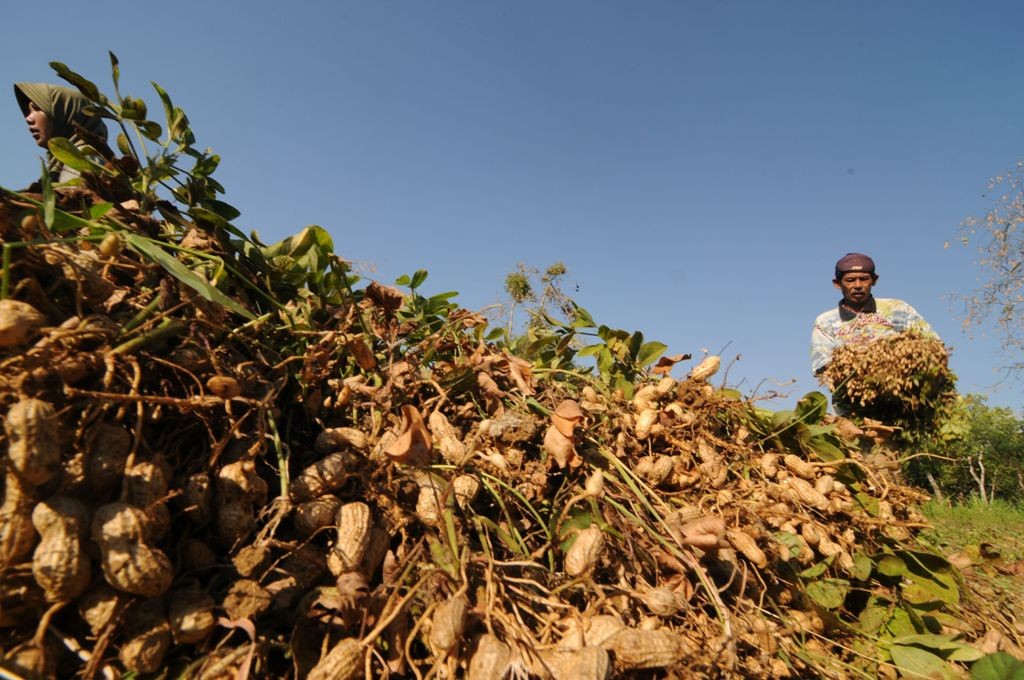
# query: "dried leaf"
{"type": "Point", "coordinates": [487, 385]}
{"type": "Point", "coordinates": [413, 445]}
{"type": "Point", "coordinates": [665, 364]}
{"type": "Point", "coordinates": [566, 417]}
{"type": "Point", "coordinates": [363, 355]}
{"type": "Point", "coordinates": [387, 298]}
{"type": "Point", "coordinates": [521, 372]}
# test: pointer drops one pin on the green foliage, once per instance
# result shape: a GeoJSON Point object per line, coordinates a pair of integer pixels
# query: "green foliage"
{"type": "Point", "coordinates": [522, 285]}
{"type": "Point", "coordinates": [622, 357]}
{"type": "Point", "coordinates": [163, 170]}
{"type": "Point", "coordinates": [987, 535]}
{"type": "Point", "coordinates": [560, 333]}
{"type": "Point", "coordinates": [517, 285]}
{"type": "Point", "coordinates": [968, 525]}
{"type": "Point", "coordinates": [800, 429]}
{"type": "Point", "coordinates": [160, 153]}
{"type": "Point", "coordinates": [427, 315]}
{"type": "Point", "coordinates": [990, 447]}
{"type": "Point", "coordinates": [998, 666]}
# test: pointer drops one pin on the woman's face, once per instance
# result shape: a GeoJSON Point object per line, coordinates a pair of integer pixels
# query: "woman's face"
{"type": "Point", "coordinates": [39, 124]}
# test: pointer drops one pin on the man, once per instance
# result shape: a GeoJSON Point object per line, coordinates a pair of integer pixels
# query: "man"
{"type": "Point", "coordinates": [859, 316]}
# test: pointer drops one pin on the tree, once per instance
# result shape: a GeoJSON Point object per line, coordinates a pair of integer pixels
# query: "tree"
{"type": "Point", "coordinates": [988, 462]}
{"type": "Point", "coordinates": [999, 237]}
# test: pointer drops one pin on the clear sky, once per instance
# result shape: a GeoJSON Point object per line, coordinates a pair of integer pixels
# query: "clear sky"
{"type": "Point", "coordinates": [698, 166]}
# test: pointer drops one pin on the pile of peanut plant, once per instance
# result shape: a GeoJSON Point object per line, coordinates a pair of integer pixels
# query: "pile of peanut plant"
{"type": "Point", "coordinates": [223, 458]}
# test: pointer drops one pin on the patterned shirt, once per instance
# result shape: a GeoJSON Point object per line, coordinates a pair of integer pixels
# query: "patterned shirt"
{"type": "Point", "coordinates": [880, 317]}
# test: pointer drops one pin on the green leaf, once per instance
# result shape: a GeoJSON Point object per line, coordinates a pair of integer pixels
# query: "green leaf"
{"type": "Point", "coordinates": [929, 578]}
{"type": "Point", "coordinates": [206, 165]}
{"type": "Point", "coordinates": [625, 385]}
{"type": "Point", "coordinates": [965, 654]}
{"type": "Point", "coordinates": [998, 666]}
{"type": "Point", "coordinates": [49, 198]}
{"type": "Point", "coordinates": [862, 566]}
{"type": "Point", "coordinates": [868, 503]}
{"type": "Point", "coordinates": [649, 353]}
{"type": "Point", "coordinates": [790, 540]}
{"type": "Point", "coordinates": [166, 100]}
{"type": "Point", "coordinates": [817, 569]}
{"type": "Point", "coordinates": [402, 280]}
{"type": "Point", "coordinates": [99, 210]}
{"type": "Point", "coordinates": [84, 85]}
{"type": "Point", "coordinates": [590, 350]}
{"type": "Point", "coordinates": [903, 622]}
{"type": "Point", "coordinates": [829, 593]}
{"type": "Point", "coordinates": [418, 278]}
{"type": "Point", "coordinates": [634, 343]}
{"type": "Point", "coordinates": [311, 238]}
{"type": "Point", "coordinates": [133, 109]}
{"type": "Point", "coordinates": [825, 450]}
{"type": "Point", "coordinates": [939, 643]}
{"type": "Point", "coordinates": [813, 430]}
{"type": "Point", "coordinates": [442, 298]}
{"type": "Point", "coordinates": [70, 155]}
{"type": "Point", "coordinates": [919, 663]}
{"type": "Point", "coordinates": [874, 616]}
{"type": "Point", "coordinates": [812, 407]}
{"type": "Point", "coordinates": [153, 251]}
{"type": "Point", "coordinates": [924, 590]}
{"type": "Point", "coordinates": [552, 321]}
{"type": "Point", "coordinates": [122, 144]}
{"type": "Point", "coordinates": [115, 69]}
{"type": "Point", "coordinates": [178, 127]}
{"type": "Point", "coordinates": [582, 318]}
{"type": "Point", "coordinates": [230, 212]}
{"type": "Point", "coordinates": [57, 220]}
{"type": "Point", "coordinates": [781, 420]}
{"type": "Point", "coordinates": [151, 130]}
{"type": "Point", "coordinates": [891, 565]}
{"type": "Point", "coordinates": [441, 554]}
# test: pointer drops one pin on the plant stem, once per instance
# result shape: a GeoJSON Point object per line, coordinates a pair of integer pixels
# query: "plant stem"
{"type": "Point", "coordinates": [5, 282]}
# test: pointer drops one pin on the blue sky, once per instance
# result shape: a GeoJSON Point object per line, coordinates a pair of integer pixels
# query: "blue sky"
{"type": "Point", "coordinates": [698, 166]}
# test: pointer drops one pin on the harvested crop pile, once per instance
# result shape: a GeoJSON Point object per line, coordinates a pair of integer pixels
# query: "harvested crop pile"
{"type": "Point", "coordinates": [225, 459]}
{"type": "Point", "coordinates": [902, 379]}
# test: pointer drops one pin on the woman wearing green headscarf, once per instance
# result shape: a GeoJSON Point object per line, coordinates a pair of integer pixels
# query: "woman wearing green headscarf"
{"type": "Point", "coordinates": [55, 111]}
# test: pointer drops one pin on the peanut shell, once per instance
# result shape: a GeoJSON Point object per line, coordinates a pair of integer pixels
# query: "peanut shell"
{"type": "Point", "coordinates": [128, 563]}
{"type": "Point", "coordinates": [343, 662]}
{"type": "Point", "coordinates": [19, 323]}
{"type": "Point", "coordinates": [59, 564]}
{"type": "Point", "coordinates": [33, 440]}
{"type": "Point", "coordinates": [585, 551]}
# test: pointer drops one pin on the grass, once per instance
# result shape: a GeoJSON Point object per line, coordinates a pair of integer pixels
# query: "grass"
{"type": "Point", "coordinates": [986, 543]}
{"type": "Point", "coordinates": [965, 527]}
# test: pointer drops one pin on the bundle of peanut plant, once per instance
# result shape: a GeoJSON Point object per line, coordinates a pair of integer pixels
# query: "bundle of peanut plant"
{"type": "Point", "coordinates": [228, 459]}
{"type": "Point", "coordinates": [902, 379]}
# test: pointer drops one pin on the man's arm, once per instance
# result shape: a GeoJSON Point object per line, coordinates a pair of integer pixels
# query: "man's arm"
{"type": "Point", "coordinates": [906, 318]}
{"type": "Point", "coordinates": [822, 345]}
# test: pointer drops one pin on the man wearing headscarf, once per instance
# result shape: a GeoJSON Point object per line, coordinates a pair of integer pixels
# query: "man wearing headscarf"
{"type": "Point", "coordinates": [55, 111]}
{"type": "Point", "coordinates": [859, 316]}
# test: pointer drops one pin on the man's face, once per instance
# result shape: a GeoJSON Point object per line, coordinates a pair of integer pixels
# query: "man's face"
{"type": "Point", "coordinates": [39, 125]}
{"type": "Point", "coordinates": [856, 287]}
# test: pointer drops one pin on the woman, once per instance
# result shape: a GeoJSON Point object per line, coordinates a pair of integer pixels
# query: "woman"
{"type": "Point", "coordinates": [55, 111]}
